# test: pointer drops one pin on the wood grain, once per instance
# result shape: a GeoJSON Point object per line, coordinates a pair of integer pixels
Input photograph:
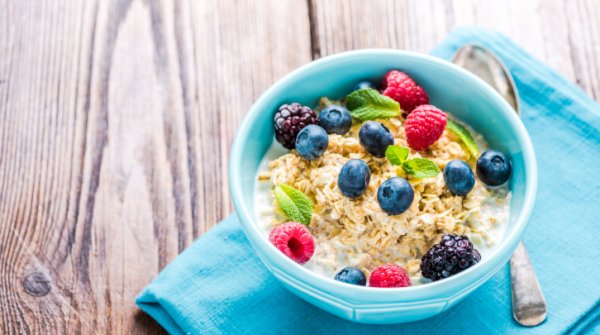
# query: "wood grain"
{"type": "Point", "coordinates": [116, 119]}
{"type": "Point", "coordinates": [565, 34]}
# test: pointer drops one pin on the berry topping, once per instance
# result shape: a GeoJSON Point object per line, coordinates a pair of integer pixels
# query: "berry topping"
{"type": "Point", "coordinates": [493, 168]}
{"type": "Point", "coordinates": [351, 275]}
{"type": "Point", "coordinates": [375, 138]}
{"type": "Point", "coordinates": [294, 240]}
{"type": "Point", "coordinates": [289, 120]}
{"type": "Point", "coordinates": [364, 85]}
{"type": "Point", "coordinates": [424, 126]}
{"type": "Point", "coordinates": [354, 178]}
{"type": "Point", "coordinates": [402, 88]}
{"type": "Point", "coordinates": [452, 255]}
{"type": "Point", "coordinates": [395, 195]}
{"type": "Point", "coordinates": [311, 142]}
{"type": "Point", "coordinates": [389, 275]}
{"type": "Point", "coordinates": [459, 177]}
{"type": "Point", "coordinates": [335, 119]}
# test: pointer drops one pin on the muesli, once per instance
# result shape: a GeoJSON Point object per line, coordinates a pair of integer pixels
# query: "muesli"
{"type": "Point", "coordinates": [381, 188]}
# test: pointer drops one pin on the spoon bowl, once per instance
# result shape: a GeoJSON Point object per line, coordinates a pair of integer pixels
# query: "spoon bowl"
{"type": "Point", "coordinates": [485, 65]}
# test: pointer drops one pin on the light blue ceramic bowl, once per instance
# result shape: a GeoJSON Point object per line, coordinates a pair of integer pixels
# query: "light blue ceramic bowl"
{"type": "Point", "coordinates": [450, 88]}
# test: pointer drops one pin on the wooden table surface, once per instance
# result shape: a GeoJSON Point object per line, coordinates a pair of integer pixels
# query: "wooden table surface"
{"type": "Point", "coordinates": [116, 119]}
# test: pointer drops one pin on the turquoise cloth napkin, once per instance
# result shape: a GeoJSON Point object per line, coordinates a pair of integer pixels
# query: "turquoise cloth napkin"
{"type": "Point", "coordinates": [219, 286]}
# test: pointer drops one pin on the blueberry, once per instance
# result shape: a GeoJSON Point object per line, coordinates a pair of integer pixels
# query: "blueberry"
{"type": "Point", "coordinates": [459, 177]}
{"type": "Point", "coordinates": [363, 84]}
{"type": "Point", "coordinates": [354, 178]}
{"type": "Point", "coordinates": [493, 168]}
{"type": "Point", "coordinates": [312, 141]}
{"type": "Point", "coordinates": [351, 275]}
{"type": "Point", "coordinates": [375, 138]}
{"type": "Point", "coordinates": [395, 195]}
{"type": "Point", "coordinates": [335, 119]}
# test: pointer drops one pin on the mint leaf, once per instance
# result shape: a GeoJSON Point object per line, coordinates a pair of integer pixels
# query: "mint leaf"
{"type": "Point", "coordinates": [368, 104]}
{"type": "Point", "coordinates": [421, 168]}
{"type": "Point", "coordinates": [396, 154]}
{"type": "Point", "coordinates": [465, 137]}
{"type": "Point", "coordinates": [294, 204]}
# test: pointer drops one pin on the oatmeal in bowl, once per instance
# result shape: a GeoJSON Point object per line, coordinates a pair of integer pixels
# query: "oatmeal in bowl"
{"type": "Point", "coordinates": [381, 188]}
{"type": "Point", "coordinates": [382, 203]}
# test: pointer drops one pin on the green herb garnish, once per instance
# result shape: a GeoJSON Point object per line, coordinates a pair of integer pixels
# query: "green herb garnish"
{"type": "Point", "coordinates": [396, 154]}
{"type": "Point", "coordinates": [421, 168]}
{"type": "Point", "coordinates": [368, 104]}
{"type": "Point", "coordinates": [463, 134]}
{"type": "Point", "coordinates": [416, 167]}
{"type": "Point", "coordinates": [293, 203]}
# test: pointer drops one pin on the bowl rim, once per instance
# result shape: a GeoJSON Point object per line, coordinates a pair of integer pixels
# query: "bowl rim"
{"type": "Point", "coordinates": [429, 290]}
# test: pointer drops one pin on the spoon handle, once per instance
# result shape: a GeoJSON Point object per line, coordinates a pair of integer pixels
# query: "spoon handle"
{"type": "Point", "coordinates": [529, 304]}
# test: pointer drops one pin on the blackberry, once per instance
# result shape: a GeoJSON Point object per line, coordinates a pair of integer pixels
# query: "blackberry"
{"type": "Point", "coordinates": [289, 120]}
{"type": "Point", "coordinates": [452, 255]}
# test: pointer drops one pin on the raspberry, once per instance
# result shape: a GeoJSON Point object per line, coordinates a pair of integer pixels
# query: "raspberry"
{"type": "Point", "coordinates": [389, 275]}
{"type": "Point", "coordinates": [289, 120]}
{"type": "Point", "coordinates": [424, 126]}
{"type": "Point", "coordinates": [452, 255]}
{"type": "Point", "coordinates": [294, 240]}
{"type": "Point", "coordinates": [402, 88]}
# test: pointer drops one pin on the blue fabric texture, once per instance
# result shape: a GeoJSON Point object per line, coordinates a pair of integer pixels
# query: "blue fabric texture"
{"type": "Point", "coordinates": [219, 286]}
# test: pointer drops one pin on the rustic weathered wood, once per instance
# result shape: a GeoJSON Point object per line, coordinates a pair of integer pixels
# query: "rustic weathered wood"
{"type": "Point", "coordinates": [564, 34]}
{"type": "Point", "coordinates": [116, 119]}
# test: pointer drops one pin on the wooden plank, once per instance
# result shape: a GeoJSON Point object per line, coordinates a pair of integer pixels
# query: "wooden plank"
{"type": "Point", "coordinates": [116, 119]}
{"type": "Point", "coordinates": [564, 34]}
{"type": "Point", "coordinates": [583, 19]}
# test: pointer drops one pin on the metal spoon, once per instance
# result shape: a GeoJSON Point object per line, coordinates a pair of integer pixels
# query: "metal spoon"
{"type": "Point", "coordinates": [528, 303]}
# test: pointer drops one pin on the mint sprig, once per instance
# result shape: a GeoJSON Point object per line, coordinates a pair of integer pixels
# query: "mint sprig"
{"type": "Point", "coordinates": [421, 168]}
{"type": "Point", "coordinates": [416, 167]}
{"type": "Point", "coordinates": [368, 104]}
{"type": "Point", "coordinates": [396, 154]}
{"type": "Point", "coordinates": [465, 137]}
{"type": "Point", "coordinates": [293, 203]}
